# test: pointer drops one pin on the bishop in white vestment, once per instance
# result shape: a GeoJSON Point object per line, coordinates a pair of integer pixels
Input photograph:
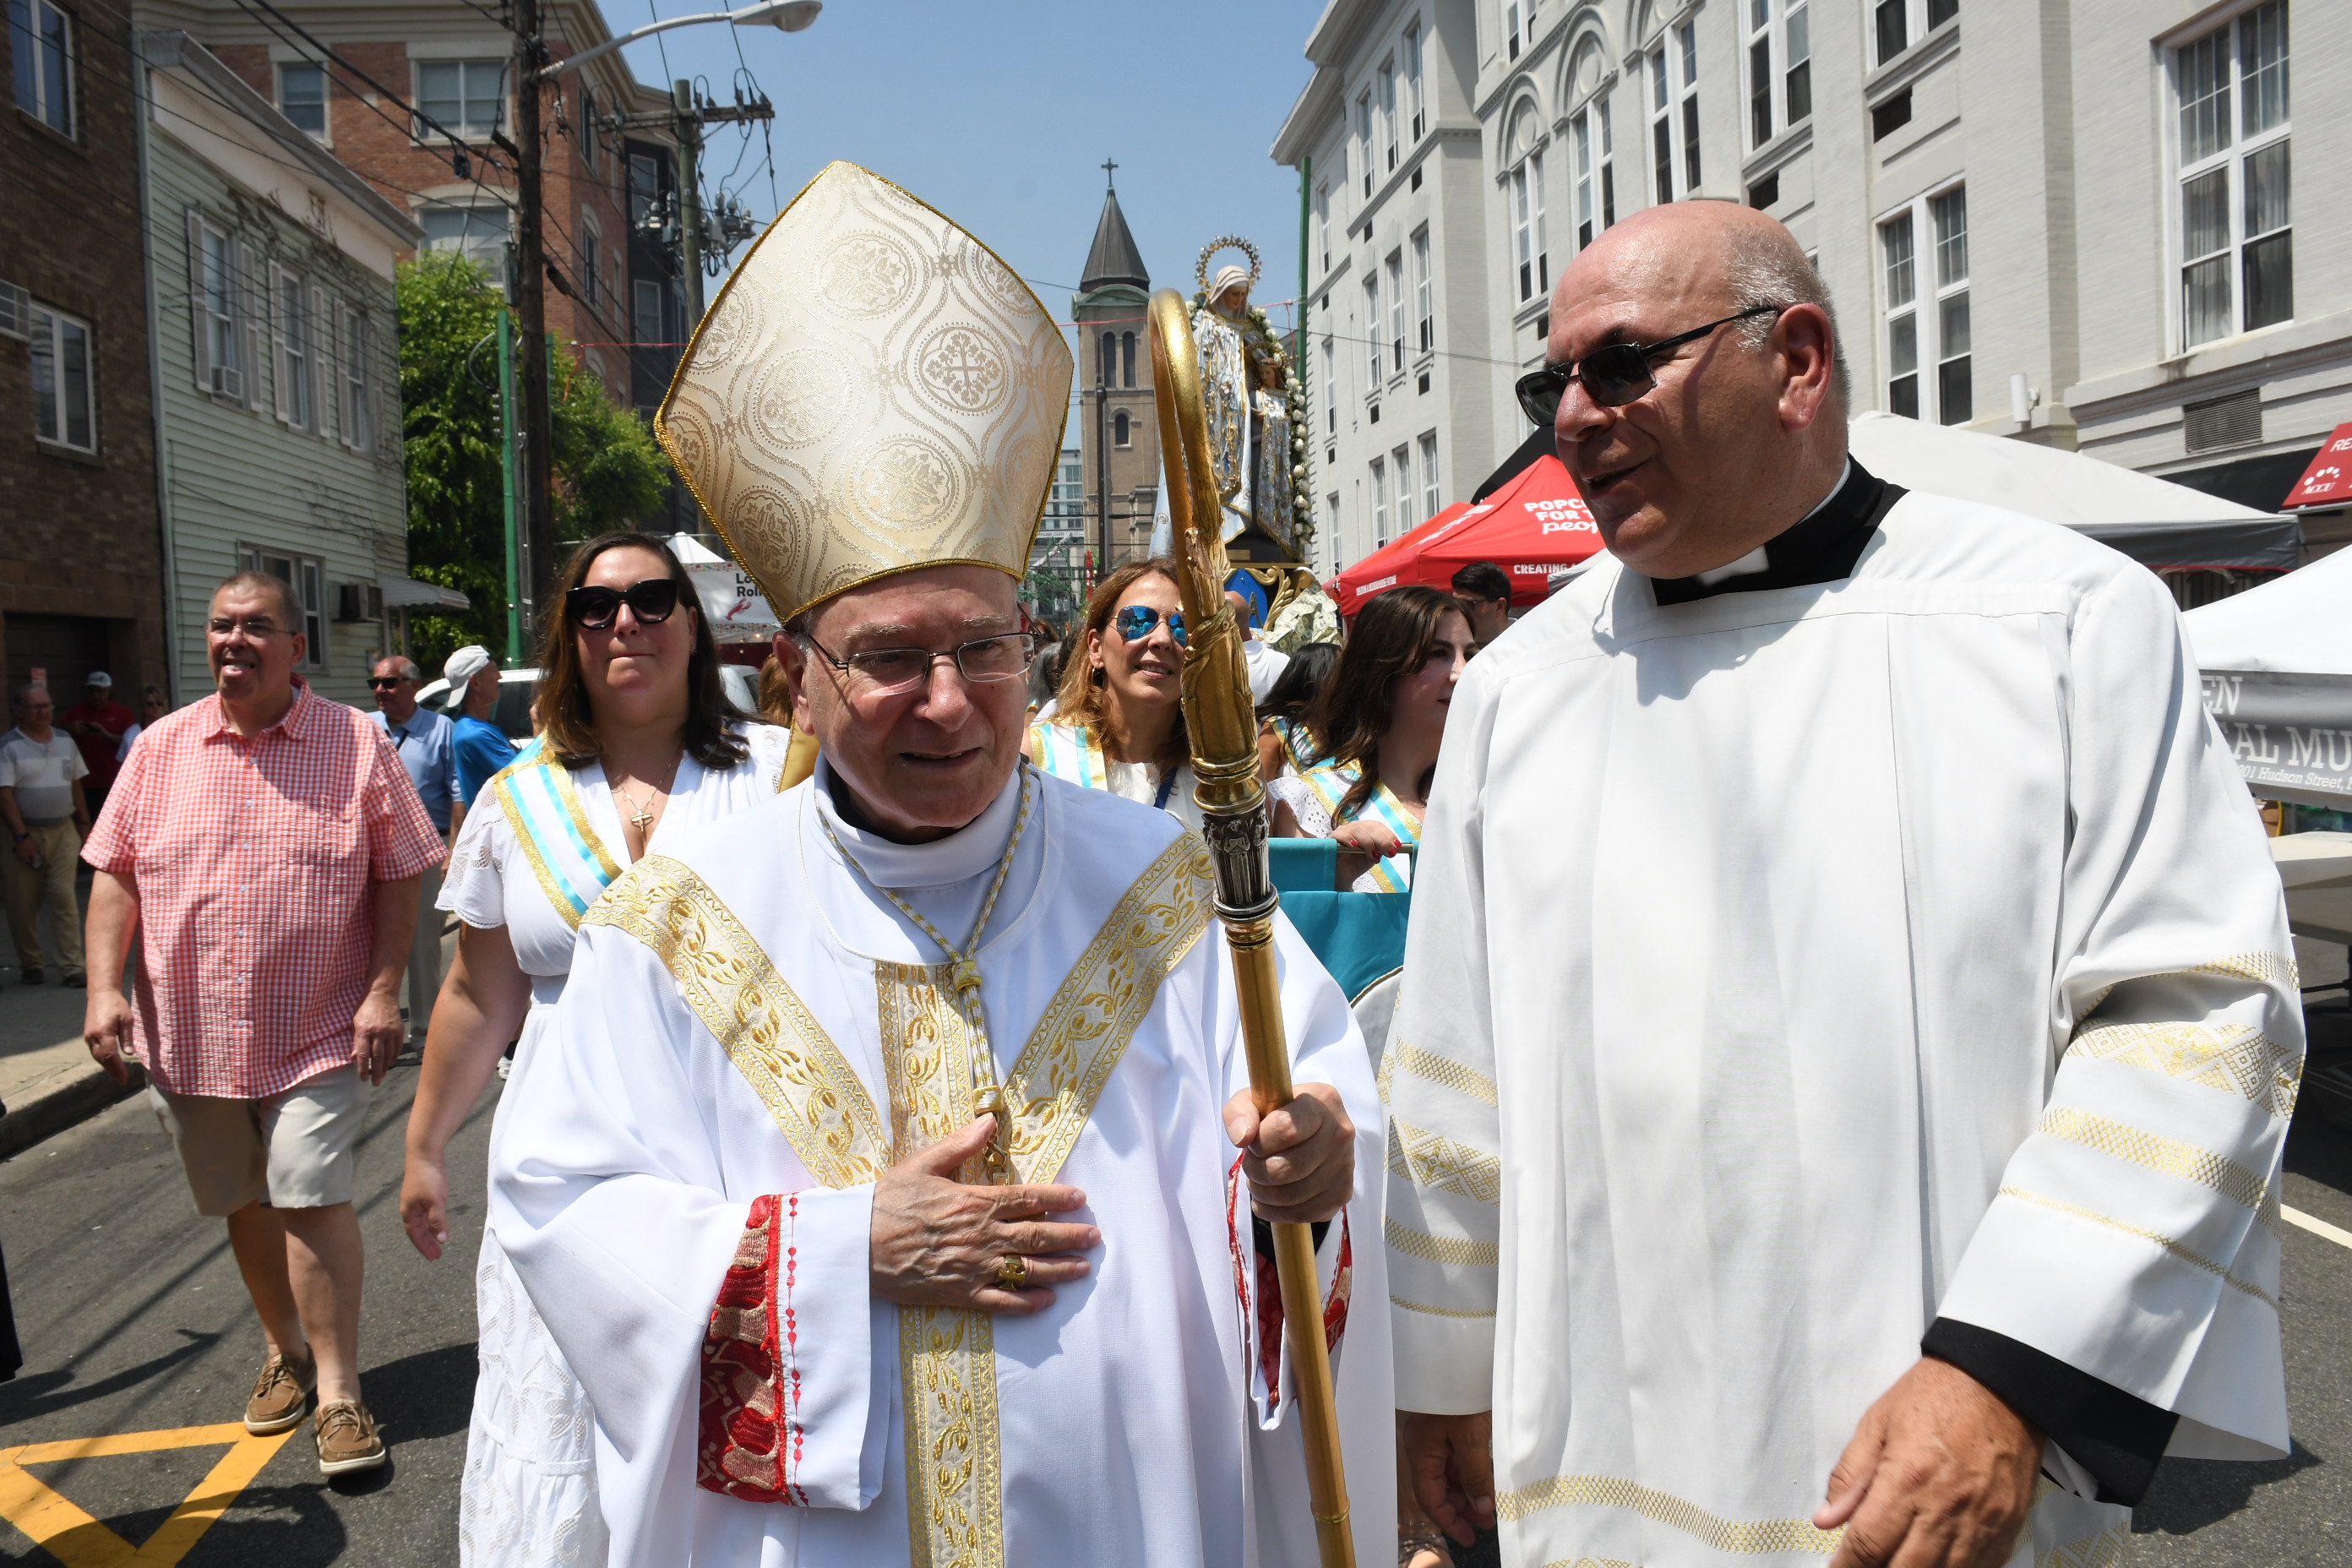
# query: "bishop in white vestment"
{"type": "Point", "coordinates": [735, 1188]}
{"type": "Point", "coordinates": [1850, 946]}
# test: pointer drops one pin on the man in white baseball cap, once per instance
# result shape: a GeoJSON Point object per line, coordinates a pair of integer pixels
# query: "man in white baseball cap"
{"type": "Point", "coordinates": [97, 723]}
{"type": "Point", "coordinates": [478, 748]}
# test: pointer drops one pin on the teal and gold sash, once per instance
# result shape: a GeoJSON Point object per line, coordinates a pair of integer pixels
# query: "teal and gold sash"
{"type": "Point", "coordinates": [1330, 786]}
{"type": "Point", "coordinates": [571, 863]}
{"type": "Point", "coordinates": [1070, 752]}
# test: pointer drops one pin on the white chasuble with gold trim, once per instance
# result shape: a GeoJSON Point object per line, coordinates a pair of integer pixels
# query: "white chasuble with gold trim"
{"type": "Point", "coordinates": [1792, 969]}
{"type": "Point", "coordinates": [751, 1035]}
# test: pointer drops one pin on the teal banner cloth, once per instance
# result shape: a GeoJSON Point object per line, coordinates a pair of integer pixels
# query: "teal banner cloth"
{"type": "Point", "coordinates": [1359, 937]}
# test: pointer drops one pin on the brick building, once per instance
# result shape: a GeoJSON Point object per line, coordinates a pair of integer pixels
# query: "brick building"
{"type": "Point", "coordinates": [81, 551]}
{"type": "Point", "coordinates": [452, 62]}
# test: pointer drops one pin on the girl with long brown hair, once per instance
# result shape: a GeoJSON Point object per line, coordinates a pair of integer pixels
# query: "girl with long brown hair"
{"type": "Point", "coordinates": [1380, 718]}
{"type": "Point", "coordinates": [637, 740]}
{"type": "Point", "coordinates": [1118, 719]}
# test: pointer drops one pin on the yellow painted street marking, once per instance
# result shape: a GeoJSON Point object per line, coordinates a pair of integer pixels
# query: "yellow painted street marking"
{"type": "Point", "coordinates": [77, 1540]}
{"type": "Point", "coordinates": [2317, 1226]}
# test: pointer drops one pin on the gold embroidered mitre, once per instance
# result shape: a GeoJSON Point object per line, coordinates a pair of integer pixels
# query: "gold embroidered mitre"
{"type": "Point", "coordinates": [874, 392]}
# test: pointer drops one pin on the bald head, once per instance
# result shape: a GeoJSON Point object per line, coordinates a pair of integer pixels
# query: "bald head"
{"type": "Point", "coordinates": [1743, 430]}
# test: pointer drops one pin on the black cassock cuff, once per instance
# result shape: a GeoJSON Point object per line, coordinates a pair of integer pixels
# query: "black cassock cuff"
{"type": "Point", "coordinates": [2114, 1435]}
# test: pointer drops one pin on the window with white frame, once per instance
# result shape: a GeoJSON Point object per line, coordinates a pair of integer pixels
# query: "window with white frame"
{"type": "Point", "coordinates": [1372, 333]}
{"type": "Point", "coordinates": [1430, 503]}
{"type": "Point", "coordinates": [1779, 66]}
{"type": "Point", "coordinates": [1512, 11]}
{"type": "Point", "coordinates": [1380, 503]}
{"type": "Point", "coordinates": [465, 97]}
{"type": "Point", "coordinates": [1396, 312]}
{"type": "Point", "coordinates": [307, 579]}
{"type": "Point", "coordinates": [1592, 157]}
{"type": "Point", "coordinates": [41, 43]}
{"type": "Point", "coordinates": [1389, 111]}
{"type": "Point", "coordinates": [302, 95]}
{"type": "Point", "coordinates": [1673, 113]}
{"type": "Point", "coordinates": [294, 349]}
{"type": "Point", "coordinates": [588, 135]}
{"type": "Point", "coordinates": [1405, 496]}
{"type": "Point", "coordinates": [1330, 388]}
{"type": "Point", "coordinates": [1364, 134]}
{"type": "Point", "coordinates": [218, 307]}
{"type": "Point", "coordinates": [1424, 294]}
{"type": "Point", "coordinates": [2237, 256]}
{"type": "Point", "coordinates": [646, 311]}
{"type": "Point", "coordinates": [358, 355]}
{"type": "Point", "coordinates": [477, 232]}
{"type": "Point", "coordinates": [1323, 222]}
{"type": "Point", "coordinates": [65, 406]}
{"type": "Point", "coordinates": [1530, 250]}
{"type": "Point", "coordinates": [1897, 25]}
{"type": "Point", "coordinates": [1924, 261]}
{"type": "Point", "coordinates": [1415, 93]}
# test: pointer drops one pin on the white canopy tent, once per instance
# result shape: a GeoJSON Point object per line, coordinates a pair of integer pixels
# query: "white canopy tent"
{"type": "Point", "coordinates": [2152, 521]}
{"type": "Point", "coordinates": [2278, 680]}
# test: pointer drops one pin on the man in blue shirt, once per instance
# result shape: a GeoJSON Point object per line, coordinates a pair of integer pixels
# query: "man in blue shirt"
{"type": "Point", "coordinates": [425, 741]}
{"type": "Point", "coordinates": [481, 747]}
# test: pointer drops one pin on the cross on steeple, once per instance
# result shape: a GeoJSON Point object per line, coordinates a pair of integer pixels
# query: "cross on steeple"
{"type": "Point", "coordinates": [1109, 168]}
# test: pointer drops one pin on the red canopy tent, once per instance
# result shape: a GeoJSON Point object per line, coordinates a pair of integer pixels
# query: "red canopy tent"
{"type": "Point", "coordinates": [1532, 528]}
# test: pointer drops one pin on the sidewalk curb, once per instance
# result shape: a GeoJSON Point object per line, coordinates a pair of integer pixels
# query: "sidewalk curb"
{"type": "Point", "coordinates": [63, 1100]}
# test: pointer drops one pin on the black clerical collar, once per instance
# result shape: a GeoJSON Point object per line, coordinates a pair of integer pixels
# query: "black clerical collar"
{"type": "Point", "coordinates": [1821, 547]}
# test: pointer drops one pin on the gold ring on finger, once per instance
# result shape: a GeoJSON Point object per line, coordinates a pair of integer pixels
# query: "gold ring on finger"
{"type": "Point", "coordinates": [1012, 1271]}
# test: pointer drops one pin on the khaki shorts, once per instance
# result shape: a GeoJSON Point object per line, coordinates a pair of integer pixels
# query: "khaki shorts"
{"type": "Point", "coordinates": [294, 1151]}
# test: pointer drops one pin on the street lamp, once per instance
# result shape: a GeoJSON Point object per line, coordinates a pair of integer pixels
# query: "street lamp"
{"type": "Point", "coordinates": [788, 15]}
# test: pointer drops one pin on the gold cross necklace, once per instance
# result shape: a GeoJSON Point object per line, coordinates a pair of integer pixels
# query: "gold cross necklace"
{"type": "Point", "coordinates": [963, 970]}
{"type": "Point", "coordinates": [642, 816]}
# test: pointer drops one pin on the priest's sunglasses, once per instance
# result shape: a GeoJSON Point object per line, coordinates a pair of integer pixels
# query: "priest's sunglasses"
{"type": "Point", "coordinates": [1615, 375]}
{"type": "Point", "coordinates": [650, 601]}
{"type": "Point", "coordinates": [887, 671]}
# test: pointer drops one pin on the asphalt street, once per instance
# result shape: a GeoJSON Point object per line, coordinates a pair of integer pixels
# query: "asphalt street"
{"type": "Point", "coordinates": [136, 1330]}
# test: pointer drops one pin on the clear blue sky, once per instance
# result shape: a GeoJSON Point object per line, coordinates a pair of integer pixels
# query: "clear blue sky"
{"type": "Point", "coordinates": [1001, 114]}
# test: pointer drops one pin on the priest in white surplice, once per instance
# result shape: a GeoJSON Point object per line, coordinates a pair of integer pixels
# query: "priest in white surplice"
{"type": "Point", "coordinates": [828, 1311]}
{"type": "Point", "coordinates": [1849, 1028]}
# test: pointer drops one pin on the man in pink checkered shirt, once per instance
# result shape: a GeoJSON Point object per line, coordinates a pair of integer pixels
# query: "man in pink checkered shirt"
{"type": "Point", "coordinates": [268, 844]}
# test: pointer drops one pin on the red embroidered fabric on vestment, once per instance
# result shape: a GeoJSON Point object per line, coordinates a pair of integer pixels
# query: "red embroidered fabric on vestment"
{"type": "Point", "coordinates": [1267, 1297]}
{"type": "Point", "coordinates": [751, 1440]}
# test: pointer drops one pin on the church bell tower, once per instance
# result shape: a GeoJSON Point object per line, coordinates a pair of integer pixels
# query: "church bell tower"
{"type": "Point", "coordinates": [1117, 427]}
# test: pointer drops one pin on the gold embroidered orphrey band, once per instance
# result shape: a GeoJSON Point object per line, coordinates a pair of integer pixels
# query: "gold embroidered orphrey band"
{"type": "Point", "coordinates": [946, 1355]}
{"type": "Point", "coordinates": [1736, 1537]}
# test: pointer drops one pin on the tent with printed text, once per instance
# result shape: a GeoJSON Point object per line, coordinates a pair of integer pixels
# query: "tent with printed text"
{"type": "Point", "coordinates": [1531, 527]}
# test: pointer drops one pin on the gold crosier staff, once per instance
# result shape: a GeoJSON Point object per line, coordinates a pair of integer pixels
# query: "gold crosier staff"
{"type": "Point", "coordinates": [1223, 724]}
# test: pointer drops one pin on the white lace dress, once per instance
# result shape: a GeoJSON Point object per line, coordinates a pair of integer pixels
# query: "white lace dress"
{"type": "Point", "coordinates": [529, 1499]}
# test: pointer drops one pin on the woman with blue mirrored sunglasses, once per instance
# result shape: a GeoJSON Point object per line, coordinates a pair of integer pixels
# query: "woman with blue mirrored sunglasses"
{"type": "Point", "coordinates": [1117, 722]}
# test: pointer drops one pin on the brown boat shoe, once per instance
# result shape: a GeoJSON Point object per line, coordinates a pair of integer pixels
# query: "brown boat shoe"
{"type": "Point", "coordinates": [279, 1394]}
{"type": "Point", "coordinates": [347, 1438]}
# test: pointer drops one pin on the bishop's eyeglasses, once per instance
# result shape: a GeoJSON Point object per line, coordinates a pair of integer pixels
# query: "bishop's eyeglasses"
{"type": "Point", "coordinates": [1613, 376]}
{"type": "Point", "coordinates": [887, 671]}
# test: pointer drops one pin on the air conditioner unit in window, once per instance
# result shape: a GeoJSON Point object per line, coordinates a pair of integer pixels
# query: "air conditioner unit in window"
{"type": "Point", "coordinates": [227, 380]}
{"type": "Point", "coordinates": [16, 311]}
{"type": "Point", "coordinates": [358, 602]}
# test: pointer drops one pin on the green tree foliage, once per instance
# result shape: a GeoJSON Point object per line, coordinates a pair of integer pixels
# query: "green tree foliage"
{"type": "Point", "coordinates": [608, 472]}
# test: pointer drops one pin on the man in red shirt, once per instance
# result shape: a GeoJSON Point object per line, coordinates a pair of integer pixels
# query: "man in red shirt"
{"type": "Point", "coordinates": [267, 845]}
{"type": "Point", "coordinates": [97, 723]}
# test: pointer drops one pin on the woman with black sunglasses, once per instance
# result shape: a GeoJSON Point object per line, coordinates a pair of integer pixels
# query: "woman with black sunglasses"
{"type": "Point", "coordinates": [1118, 719]}
{"type": "Point", "coordinates": [637, 741]}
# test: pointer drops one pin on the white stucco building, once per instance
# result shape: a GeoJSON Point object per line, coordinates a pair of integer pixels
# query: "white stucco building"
{"type": "Point", "coordinates": [2095, 195]}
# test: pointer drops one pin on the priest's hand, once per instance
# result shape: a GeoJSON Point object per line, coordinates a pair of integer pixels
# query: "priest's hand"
{"type": "Point", "coordinates": [1450, 1461]}
{"type": "Point", "coordinates": [938, 1242]}
{"type": "Point", "coordinates": [1940, 1474]}
{"type": "Point", "coordinates": [1301, 1160]}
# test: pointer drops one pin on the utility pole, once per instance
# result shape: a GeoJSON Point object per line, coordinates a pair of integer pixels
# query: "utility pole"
{"type": "Point", "coordinates": [689, 198]}
{"type": "Point", "coordinates": [1102, 469]}
{"type": "Point", "coordinates": [536, 435]}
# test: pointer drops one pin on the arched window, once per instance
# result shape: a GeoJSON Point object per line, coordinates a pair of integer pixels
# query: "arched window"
{"type": "Point", "coordinates": [1106, 374]}
{"type": "Point", "coordinates": [1118, 423]}
{"type": "Point", "coordinates": [1126, 359]}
